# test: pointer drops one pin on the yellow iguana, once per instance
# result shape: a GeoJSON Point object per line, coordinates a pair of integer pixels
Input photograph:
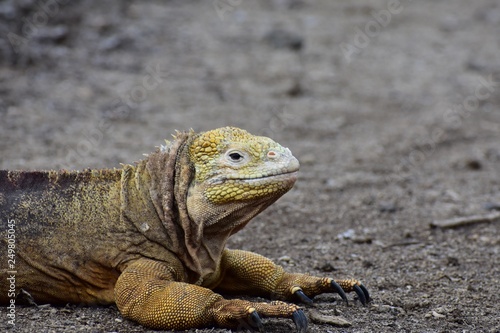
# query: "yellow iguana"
{"type": "Point", "coordinates": [151, 237]}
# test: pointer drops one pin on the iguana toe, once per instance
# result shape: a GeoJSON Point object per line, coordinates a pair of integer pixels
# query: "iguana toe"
{"type": "Point", "coordinates": [363, 294]}
{"type": "Point", "coordinates": [256, 321]}
{"type": "Point", "coordinates": [300, 320]}
{"type": "Point", "coordinates": [297, 291]}
{"type": "Point", "coordinates": [339, 290]}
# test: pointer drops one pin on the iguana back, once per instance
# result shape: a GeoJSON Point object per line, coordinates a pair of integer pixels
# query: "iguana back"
{"type": "Point", "coordinates": [62, 224]}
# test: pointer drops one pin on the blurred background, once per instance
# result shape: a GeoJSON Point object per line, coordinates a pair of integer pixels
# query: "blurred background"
{"type": "Point", "coordinates": [95, 83]}
{"type": "Point", "coordinates": [392, 107]}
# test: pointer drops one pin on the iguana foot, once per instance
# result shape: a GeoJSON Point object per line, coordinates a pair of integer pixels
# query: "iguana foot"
{"type": "Point", "coordinates": [324, 285]}
{"type": "Point", "coordinates": [241, 314]}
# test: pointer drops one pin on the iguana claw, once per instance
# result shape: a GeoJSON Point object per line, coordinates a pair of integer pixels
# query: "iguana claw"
{"type": "Point", "coordinates": [300, 320]}
{"type": "Point", "coordinates": [256, 321]}
{"type": "Point", "coordinates": [302, 297]}
{"type": "Point", "coordinates": [363, 294]}
{"type": "Point", "coordinates": [339, 290]}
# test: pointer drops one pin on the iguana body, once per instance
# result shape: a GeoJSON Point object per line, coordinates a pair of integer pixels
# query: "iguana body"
{"type": "Point", "coordinates": [151, 237]}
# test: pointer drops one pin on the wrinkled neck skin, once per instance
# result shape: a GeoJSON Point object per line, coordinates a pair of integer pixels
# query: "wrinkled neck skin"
{"type": "Point", "coordinates": [212, 225]}
{"type": "Point", "coordinates": [149, 202]}
{"type": "Point", "coordinates": [162, 201]}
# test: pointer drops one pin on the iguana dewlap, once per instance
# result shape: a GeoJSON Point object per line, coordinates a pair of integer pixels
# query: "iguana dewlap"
{"type": "Point", "coordinates": [151, 237]}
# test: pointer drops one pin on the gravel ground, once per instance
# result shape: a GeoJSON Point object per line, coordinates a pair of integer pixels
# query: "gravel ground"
{"type": "Point", "coordinates": [392, 107]}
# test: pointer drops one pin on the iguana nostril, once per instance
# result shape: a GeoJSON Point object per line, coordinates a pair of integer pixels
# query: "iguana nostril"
{"type": "Point", "coordinates": [272, 154]}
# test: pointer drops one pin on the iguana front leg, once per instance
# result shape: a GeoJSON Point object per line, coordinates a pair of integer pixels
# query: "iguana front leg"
{"type": "Point", "coordinates": [148, 292]}
{"type": "Point", "coordinates": [250, 273]}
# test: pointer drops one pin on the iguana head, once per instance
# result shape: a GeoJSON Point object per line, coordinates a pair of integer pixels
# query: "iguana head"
{"type": "Point", "coordinates": [237, 175]}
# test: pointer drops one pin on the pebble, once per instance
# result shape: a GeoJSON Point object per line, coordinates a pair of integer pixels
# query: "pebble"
{"type": "Point", "coordinates": [286, 260]}
{"type": "Point", "coordinates": [55, 34]}
{"type": "Point", "coordinates": [282, 39]}
{"type": "Point", "coordinates": [387, 207]}
{"type": "Point", "coordinates": [327, 268]}
{"type": "Point", "coordinates": [110, 43]}
{"type": "Point", "coordinates": [452, 261]}
{"type": "Point", "coordinates": [362, 240]}
{"type": "Point", "coordinates": [473, 164]}
{"type": "Point", "coordinates": [492, 206]}
{"type": "Point", "coordinates": [348, 234]}
{"type": "Point", "coordinates": [436, 315]}
{"type": "Point", "coordinates": [389, 308]}
{"type": "Point", "coordinates": [320, 318]}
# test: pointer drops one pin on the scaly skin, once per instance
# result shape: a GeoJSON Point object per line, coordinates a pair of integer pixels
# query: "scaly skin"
{"type": "Point", "coordinates": [151, 237]}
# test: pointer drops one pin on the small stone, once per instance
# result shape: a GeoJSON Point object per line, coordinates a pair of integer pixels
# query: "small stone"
{"type": "Point", "coordinates": [492, 206]}
{"type": "Point", "coordinates": [286, 260]}
{"type": "Point", "coordinates": [348, 234]}
{"type": "Point", "coordinates": [367, 264]}
{"type": "Point", "coordinates": [452, 195]}
{"type": "Point", "coordinates": [389, 308]}
{"type": "Point", "coordinates": [295, 90]}
{"type": "Point", "coordinates": [144, 227]}
{"type": "Point", "coordinates": [362, 240]}
{"type": "Point", "coordinates": [282, 39]}
{"type": "Point", "coordinates": [452, 261]}
{"type": "Point", "coordinates": [387, 207]}
{"type": "Point", "coordinates": [55, 34]}
{"type": "Point", "coordinates": [474, 164]}
{"type": "Point", "coordinates": [437, 315]}
{"type": "Point", "coordinates": [320, 318]}
{"type": "Point", "coordinates": [111, 43]}
{"type": "Point", "coordinates": [327, 268]}
{"type": "Point", "coordinates": [331, 183]}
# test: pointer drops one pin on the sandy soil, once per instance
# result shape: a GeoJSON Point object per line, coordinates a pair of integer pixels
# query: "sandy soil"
{"type": "Point", "coordinates": [393, 111]}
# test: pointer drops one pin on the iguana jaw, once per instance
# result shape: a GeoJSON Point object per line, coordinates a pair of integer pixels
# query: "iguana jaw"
{"type": "Point", "coordinates": [292, 175]}
{"type": "Point", "coordinates": [282, 176]}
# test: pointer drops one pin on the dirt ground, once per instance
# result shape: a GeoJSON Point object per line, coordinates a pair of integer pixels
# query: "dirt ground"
{"type": "Point", "coordinates": [393, 109]}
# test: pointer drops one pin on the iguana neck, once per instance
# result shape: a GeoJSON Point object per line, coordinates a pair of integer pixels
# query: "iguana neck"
{"type": "Point", "coordinates": [154, 199]}
{"type": "Point", "coordinates": [139, 208]}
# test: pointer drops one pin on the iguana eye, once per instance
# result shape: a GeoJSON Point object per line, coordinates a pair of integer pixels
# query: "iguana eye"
{"type": "Point", "coordinates": [235, 157]}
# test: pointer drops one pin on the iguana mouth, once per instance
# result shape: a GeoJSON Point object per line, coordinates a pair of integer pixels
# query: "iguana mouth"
{"type": "Point", "coordinates": [284, 174]}
{"type": "Point", "coordinates": [292, 174]}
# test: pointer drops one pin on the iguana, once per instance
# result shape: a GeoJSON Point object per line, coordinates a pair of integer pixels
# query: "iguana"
{"type": "Point", "coordinates": [151, 236]}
